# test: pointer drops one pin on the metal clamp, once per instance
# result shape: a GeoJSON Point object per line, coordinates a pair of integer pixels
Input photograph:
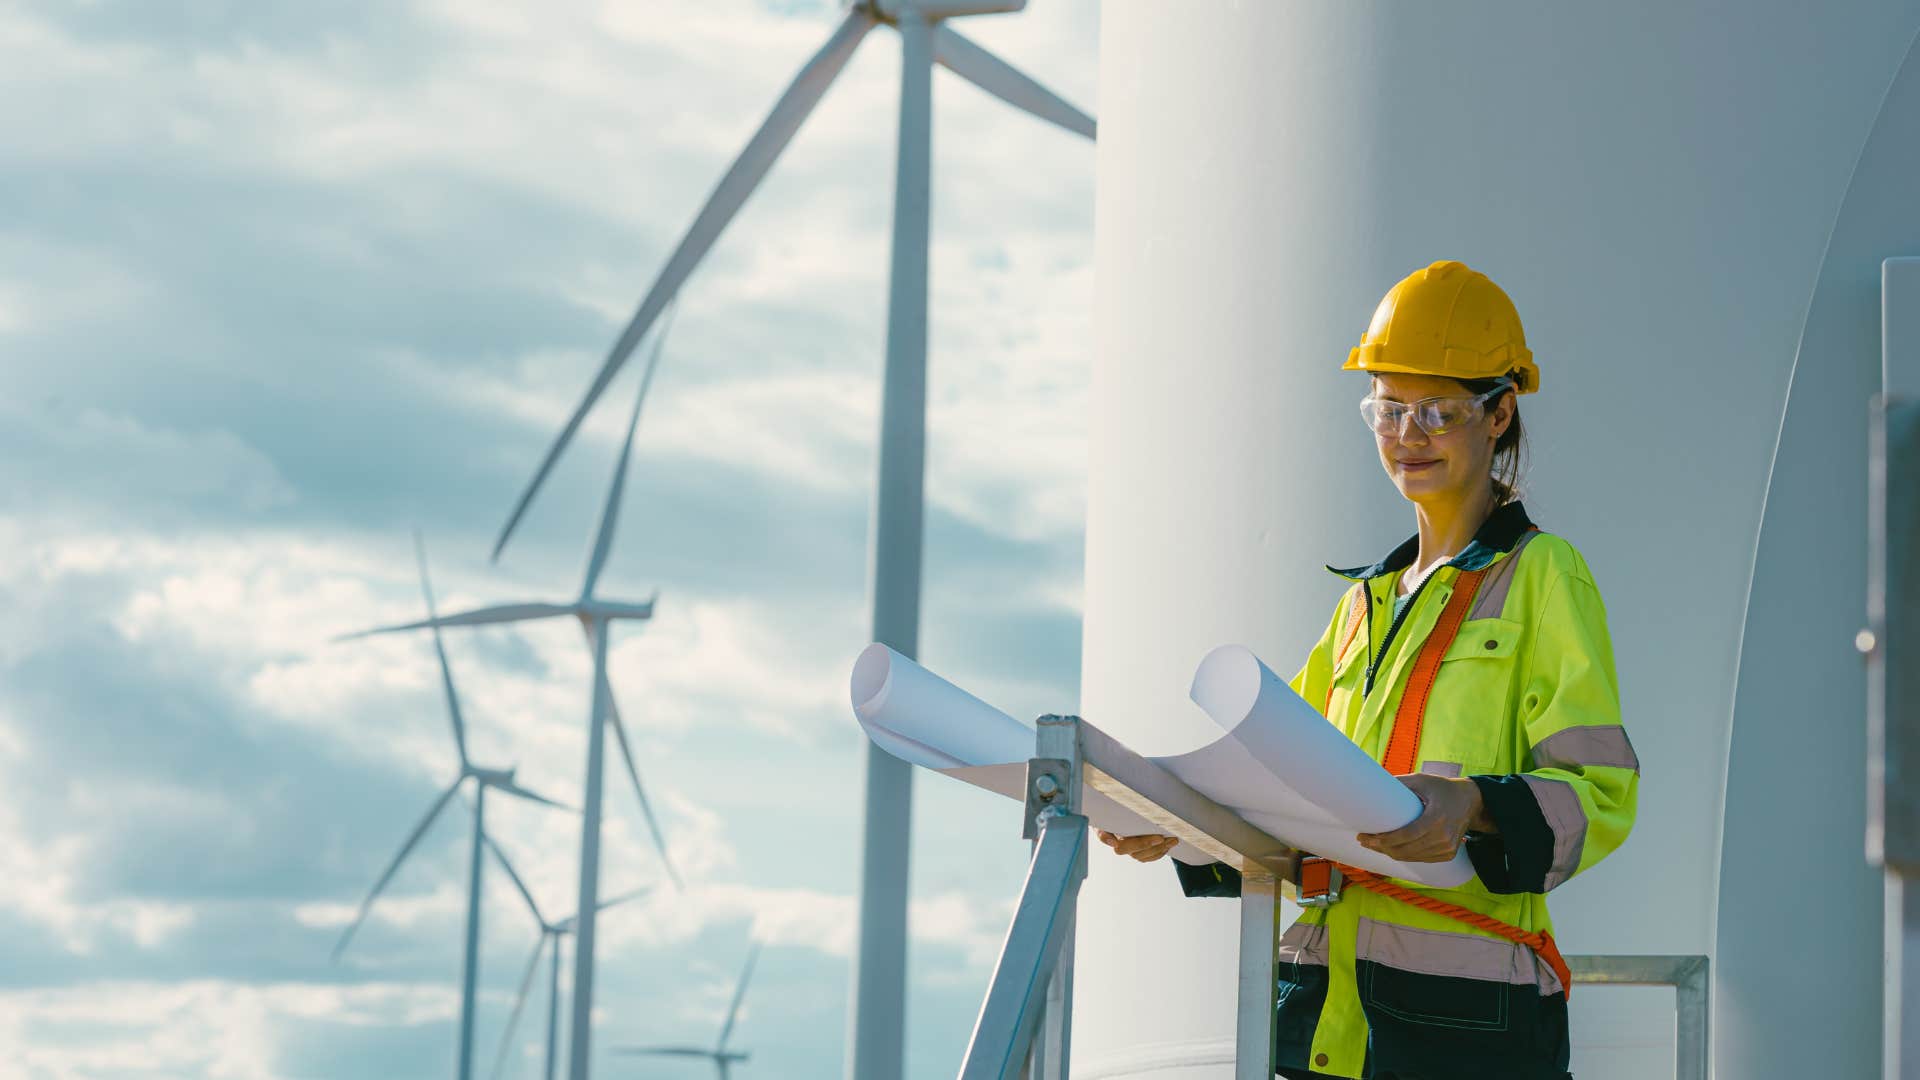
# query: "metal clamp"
{"type": "Point", "coordinates": [1049, 792]}
{"type": "Point", "coordinates": [1320, 881]}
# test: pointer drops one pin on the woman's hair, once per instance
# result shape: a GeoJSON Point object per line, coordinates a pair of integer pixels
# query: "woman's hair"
{"type": "Point", "coordinates": [1509, 450]}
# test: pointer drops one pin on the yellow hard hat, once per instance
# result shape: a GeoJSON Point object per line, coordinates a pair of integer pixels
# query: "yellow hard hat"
{"type": "Point", "coordinates": [1447, 320]}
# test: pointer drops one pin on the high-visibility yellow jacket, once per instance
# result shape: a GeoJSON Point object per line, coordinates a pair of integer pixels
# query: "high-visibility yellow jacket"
{"type": "Point", "coordinates": [1526, 704]}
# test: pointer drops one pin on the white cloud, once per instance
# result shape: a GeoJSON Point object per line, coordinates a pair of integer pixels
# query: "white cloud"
{"type": "Point", "coordinates": [216, 1029]}
{"type": "Point", "coordinates": [768, 668]}
{"type": "Point", "coordinates": [133, 462]}
{"type": "Point", "coordinates": [13, 307]}
{"type": "Point", "coordinates": [43, 870]}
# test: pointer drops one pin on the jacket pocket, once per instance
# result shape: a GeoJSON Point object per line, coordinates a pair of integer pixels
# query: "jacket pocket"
{"type": "Point", "coordinates": [1466, 712]}
{"type": "Point", "coordinates": [1485, 639]}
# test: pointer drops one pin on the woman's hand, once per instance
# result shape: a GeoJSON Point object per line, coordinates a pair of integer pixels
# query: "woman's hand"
{"type": "Point", "coordinates": [1145, 848]}
{"type": "Point", "coordinates": [1450, 808]}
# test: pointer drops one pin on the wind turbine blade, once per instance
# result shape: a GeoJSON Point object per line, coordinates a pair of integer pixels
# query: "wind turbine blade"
{"type": "Point", "coordinates": [1006, 82]}
{"type": "Point", "coordinates": [739, 992]}
{"type": "Point", "coordinates": [520, 1000]}
{"type": "Point", "coordinates": [624, 897]}
{"type": "Point", "coordinates": [633, 773]}
{"type": "Point", "coordinates": [610, 513]}
{"type": "Point", "coordinates": [512, 788]}
{"type": "Point", "coordinates": [566, 925]}
{"type": "Point", "coordinates": [406, 848]}
{"type": "Point", "coordinates": [513, 875]}
{"type": "Point", "coordinates": [440, 650]}
{"type": "Point", "coordinates": [745, 174]}
{"type": "Point", "coordinates": [663, 1051]}
{"type": "Point", "coordinates": [502, 613]}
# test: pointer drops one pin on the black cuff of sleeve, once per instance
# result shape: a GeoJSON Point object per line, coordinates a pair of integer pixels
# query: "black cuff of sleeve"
{"type": "Point", "coordinates": [1213, 879]}
{"type": "Point", "coordinates": [1516, 858]}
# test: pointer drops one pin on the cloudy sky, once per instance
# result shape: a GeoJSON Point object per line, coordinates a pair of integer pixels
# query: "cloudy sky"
{"type": "Point", "coordinates": [280, 282]}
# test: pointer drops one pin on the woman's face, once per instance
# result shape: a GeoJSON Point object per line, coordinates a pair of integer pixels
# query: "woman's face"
{"type": "Point", "coordinates": [1439, 470]}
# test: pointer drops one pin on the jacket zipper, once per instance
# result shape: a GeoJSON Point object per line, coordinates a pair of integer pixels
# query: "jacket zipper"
{"type": "Point", "coordinates": [1373, 662]}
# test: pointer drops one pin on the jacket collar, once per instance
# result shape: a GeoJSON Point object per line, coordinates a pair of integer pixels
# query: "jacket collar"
{"type": "Point", "coordinates": [1497, 535]}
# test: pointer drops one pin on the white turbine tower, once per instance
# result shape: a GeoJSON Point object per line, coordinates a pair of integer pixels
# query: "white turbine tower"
{"type": "Point", "coordinates": [483, 778]}
{"type": "Point", "coordinates": [551, 934]}
{"type": "Point", "coordinates": [596, 617]}
{"type": "Point", "coordinates": [877, 1050]}
{"type": "Point", "coordinates": [723, 1059]}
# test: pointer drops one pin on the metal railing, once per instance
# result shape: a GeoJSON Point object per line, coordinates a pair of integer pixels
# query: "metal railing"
{"type": "Point", "coordinates": [1023, 1030]}
{"type": "Point", "coordinates": [1689, 977]}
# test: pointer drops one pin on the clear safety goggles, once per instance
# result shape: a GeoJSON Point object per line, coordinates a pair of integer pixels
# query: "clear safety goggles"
{"type": "Point", "coordinates": [1434, 415]}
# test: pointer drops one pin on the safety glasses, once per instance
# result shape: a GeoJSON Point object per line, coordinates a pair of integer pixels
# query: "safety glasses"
{"type": "Point", "coordinates": [1435, 415]}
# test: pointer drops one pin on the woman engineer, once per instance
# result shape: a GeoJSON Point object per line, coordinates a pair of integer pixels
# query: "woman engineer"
{"type": "Point", "coordinates": [1473, 661]}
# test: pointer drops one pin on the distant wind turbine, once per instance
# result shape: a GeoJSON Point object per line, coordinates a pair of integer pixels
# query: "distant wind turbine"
{"type": "Point", "coordinates": [483, 778]}
{"type": "Point", "coordinates": [721, 1057]}
{"type": "Point", "coordinates": [551, 933]}
{"type": "Point", "coordinates": [596, 617]}
{"type": "Point", "coordinates": [877, 1047]}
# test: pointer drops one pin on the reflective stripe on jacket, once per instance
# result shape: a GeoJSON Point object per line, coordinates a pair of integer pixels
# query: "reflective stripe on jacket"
{"type": "Point", "coordinates": [1526, 703]}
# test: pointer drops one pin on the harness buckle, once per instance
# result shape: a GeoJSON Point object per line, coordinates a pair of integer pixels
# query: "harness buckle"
{"type": "Point", "coordinates": [1320, 882]}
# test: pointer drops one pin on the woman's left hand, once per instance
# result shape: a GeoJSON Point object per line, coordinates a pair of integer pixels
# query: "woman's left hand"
{"type": "Point", "coordinates": [1451, 807]}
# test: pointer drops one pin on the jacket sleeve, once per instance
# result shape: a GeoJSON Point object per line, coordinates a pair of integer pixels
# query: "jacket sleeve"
{"type": "Point", "coordinates": [1310, 682]}
{"type": "Point", "coordinates": [1575, 803]}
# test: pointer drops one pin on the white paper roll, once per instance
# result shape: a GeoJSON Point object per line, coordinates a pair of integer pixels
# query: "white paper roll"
{"type": "Point", "coordinates": [1319, 776]}
{"type": "Point", "coordinates": [1279, 765]}
{"type": "Point", "coordinates": [921, 718]}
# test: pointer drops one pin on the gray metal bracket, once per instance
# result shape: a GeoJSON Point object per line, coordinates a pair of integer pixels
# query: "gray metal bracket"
{"type": "Point", "coordinates": [1024, 1025]}
{"type": "Point", "coordinates": [1688, 975]}
{"type": "Point", "coordinates": [1025, 1022]}
{"type": "Point", "coordinates": [1891, 643]}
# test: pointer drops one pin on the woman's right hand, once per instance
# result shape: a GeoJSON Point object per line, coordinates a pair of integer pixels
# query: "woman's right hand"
{"type": "Point", "coordinates": [1144, 848]}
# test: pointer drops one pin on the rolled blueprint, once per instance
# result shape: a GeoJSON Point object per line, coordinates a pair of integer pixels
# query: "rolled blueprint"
{"type": "Point", "coordinates": [925, 720]}
{"type": "Point", "coordinates": [1320, 789]}
{"type": "Point", "coordinates": [1278, 729]}
{"type": "Point", "coordinates": [1279, 764]}
{"type": "Point", "coordinates": [921, 718]}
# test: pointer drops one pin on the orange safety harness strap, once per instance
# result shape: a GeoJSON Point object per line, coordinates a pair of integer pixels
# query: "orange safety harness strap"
{"type": "Point", "coordinates": [1539, 941]}
{"type": "Point", "coordinates": [1403, 747]}
{"type": "Point", "coordinates": [1403, 750]}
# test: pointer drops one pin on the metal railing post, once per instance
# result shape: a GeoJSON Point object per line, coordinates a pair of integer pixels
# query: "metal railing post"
{"type": "Point", "coordinates": [1689, 977]}
{"type": "Point", "coordinates": [1029, 979]}
{"type": "Point", "coordinates": [1056, 739]}
{"type": "Point", "coordinates": [1025, 1025]}
{"type": "Point", "coordinates": [1053, 1043]}
{"type": "Point", "coordinates": [1253, 1049]}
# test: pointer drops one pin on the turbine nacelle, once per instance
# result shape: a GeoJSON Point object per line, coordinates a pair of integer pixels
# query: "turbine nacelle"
{"type": "Point", "coordinates": [600, 610]}
{"type": "Point", "coordinates": [496, 777]}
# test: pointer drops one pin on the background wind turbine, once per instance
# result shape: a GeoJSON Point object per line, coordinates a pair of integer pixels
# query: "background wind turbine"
{"type": "Point", "coordinates": [596, 617]}
{"type": "Point", "coordinates": [876, 1045]}
{"type": "Point", "coordinates": [551, 934]}
{"type": "Point", "coordinates": [483, 778]}
{"type": "Point", "coordinates": [721, 1057]}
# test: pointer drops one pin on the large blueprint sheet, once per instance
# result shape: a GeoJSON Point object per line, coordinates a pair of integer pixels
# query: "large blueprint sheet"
{"type": "Point", "coordinates": [1278, 763]}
